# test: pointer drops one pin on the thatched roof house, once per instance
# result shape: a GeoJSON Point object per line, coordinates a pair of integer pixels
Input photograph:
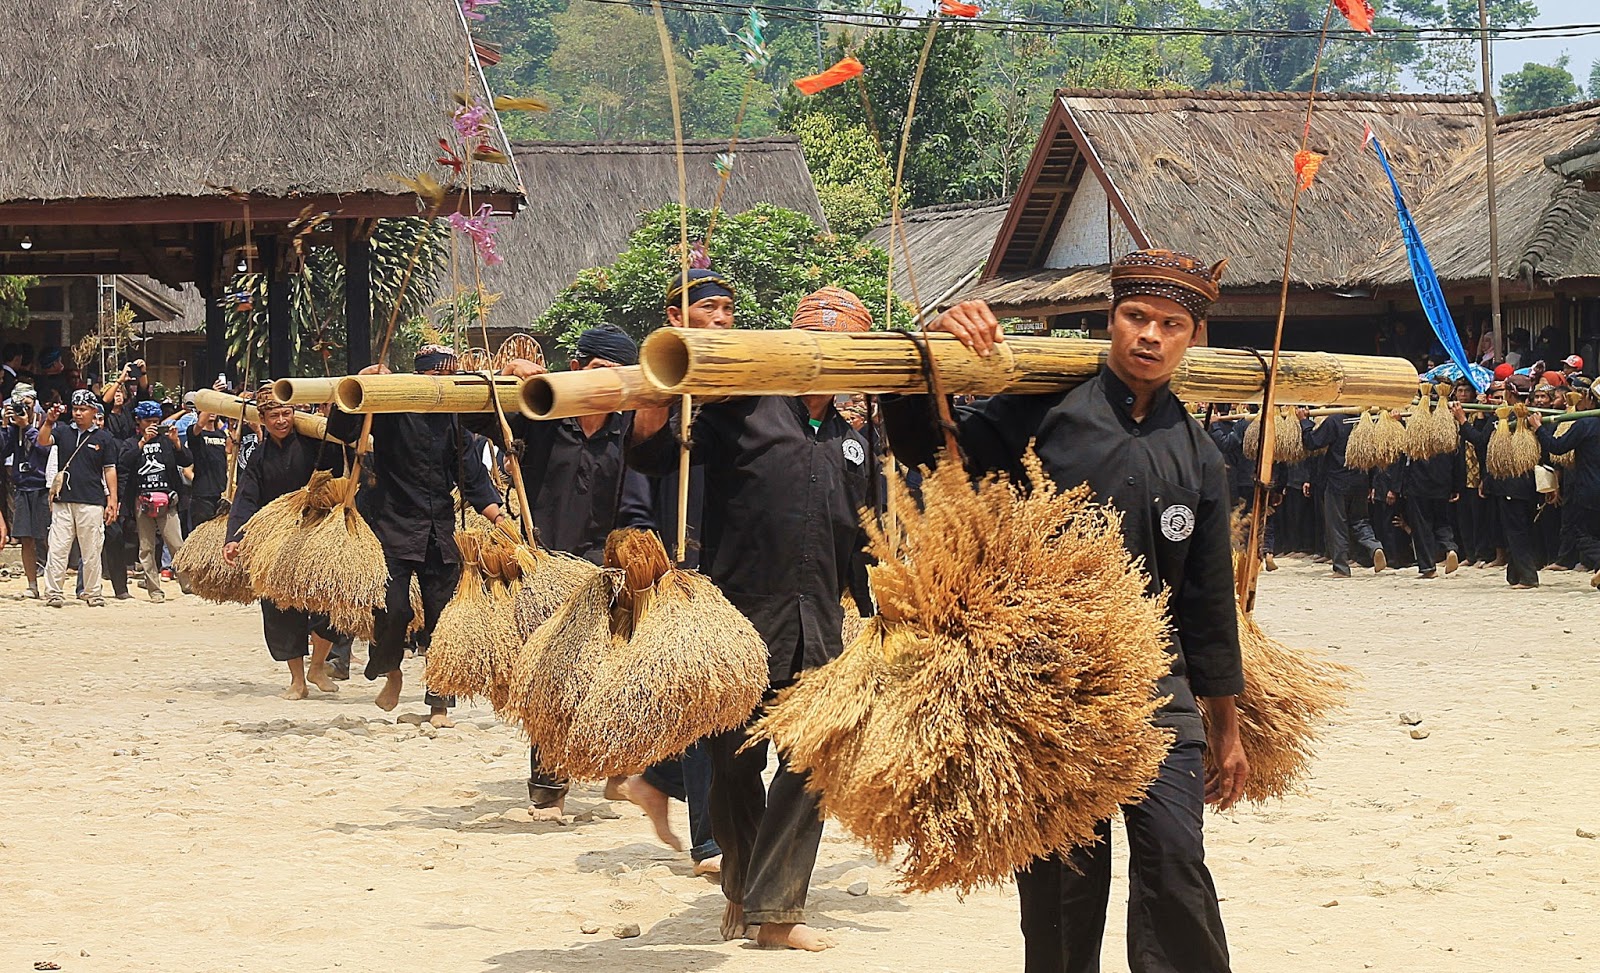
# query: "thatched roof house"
{"type": "Point", "coordinates": [949, 245]}
{"type": "Point", "coordinates": [1211, 173]}
{"type": "Point", "coordinates": [586, 198]}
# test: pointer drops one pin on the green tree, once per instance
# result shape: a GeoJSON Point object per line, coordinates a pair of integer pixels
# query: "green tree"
{"type": "Point", "coordinates": [849, 171]}
{"type": "Point", "coordinates": [775, 255]}
{"type": "Point", "coordinates": [606, 79]}
{"type": "Point", "coordinates": [1594, 81]}
{"type": "Point", "coordinates": [14, 300]}
{"type": "Point", "coordinates": [1538, 86]}
{"type": "Point", "coordinates": [317, 330]}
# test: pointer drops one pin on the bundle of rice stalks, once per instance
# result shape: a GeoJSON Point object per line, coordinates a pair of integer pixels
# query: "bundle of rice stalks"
{"type": "Point", "coordinates": [1513, 448]}
{"type": "Point", "coordinates": [210, 576]}
{"type": "Point", "coordinates": [559, 662]}
{"type": "Point", "coordinates": [1570, 456]}
{"type": "Point", "coordinates": [999, 706]}
{"type": "Point", "coordinates": [693, 666]}
{"type": "Point", "coordinates": [1361, 451]}
{"type": "Point", "coordinates": [315, 553]}
{"type": "Point", "coordinates": [1431, 430]}
{"type": "Point", "coordinates": [266, 532]}
{"type": "Point", "coordinates": [1388, 440]}
{"type": "Point", "coordinates": [1288, 443]}
{"type": "Point", "coordinates": [1288, 697]}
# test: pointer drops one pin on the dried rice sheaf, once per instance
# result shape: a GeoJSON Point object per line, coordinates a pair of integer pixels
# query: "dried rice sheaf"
{"type": "Point", "coordinates": [1513, 448]}
{"type": "Point", "coordinates": [1431, 431]}
{"type": "Point", "coordinates": [559, 662]}
{"type": "Point", "coordinates": [210, 575]}
{"type": "Point", "coordinates": [1000, 707]}
{"type": "Point", "coordinates": [1288, 442]}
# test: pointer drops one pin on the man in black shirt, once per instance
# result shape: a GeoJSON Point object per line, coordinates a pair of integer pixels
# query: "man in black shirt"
{"type": "Point", "coordinates": [417, 459]}
{"type": "Point", "coordinates": [1346, 510]}
{"type": "Point", "coordinates": [86, 464]}
{"type": "Point", "coordinates": [784, 478]}
{"type": "Point", "coordinates": [149, 469]}
{"type": "Point", "coordinates": [1581, 496]}
{"type": "Point", "coordinates": [208, 444]}
{"type": "Point", "coordinates": [1515, 499]}
{"type": "Point", "coordinates": [1428, 486]}
{"type": "Point", "coordinates": [283, 463]}
{"type": "Point", "coordinates": [1129, 438]}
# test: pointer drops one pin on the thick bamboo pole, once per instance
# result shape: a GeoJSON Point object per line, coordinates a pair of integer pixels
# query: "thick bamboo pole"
{"type": "Point", "coordinates": [425, 393]}
{"type": "Point", "coordinates": [306, 424]}
{"type": "Point", "coordinates": [592, 391]}
{"type": "Point", "coordinates": [703, 362]}
{"type": "Point", "coordinates": [304, 391]}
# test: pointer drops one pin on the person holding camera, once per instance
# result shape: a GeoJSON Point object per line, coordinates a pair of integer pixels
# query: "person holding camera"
{"type": "Point", "coordinates": [83, 493]}
{"type": "Point", "coordinates": [30, 515]}
{"type": "Point", "coordinates": [150, 469]}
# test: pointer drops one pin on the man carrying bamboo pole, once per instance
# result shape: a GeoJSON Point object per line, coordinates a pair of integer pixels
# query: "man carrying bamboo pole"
{"type": "Point", "coordinates": [417, 460]}
{"type": "Point", "coordinates": [1129, 438]}
{"type": "Point", "coordinates": [1346, 514]}
{"type": "Point", "coordinates": [282, 463]}
{"type": "Point", "coordinates": [784, 478]}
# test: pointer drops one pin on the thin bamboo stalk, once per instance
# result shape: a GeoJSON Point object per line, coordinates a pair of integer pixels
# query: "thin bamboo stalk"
{"type": "Point", "coordinates": [304, 391]}
{"type": "Point", "coordinates": [592, 391]}
{"type": "Point", "coordinates": [306, 424]}
{"type": "Point", "coordinates": [425, 393]}
{"type": "Point", "coordinates": [702, 362]}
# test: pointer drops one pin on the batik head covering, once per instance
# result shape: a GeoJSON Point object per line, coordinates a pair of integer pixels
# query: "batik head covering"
{"type": "Point", "coordinates": [832, 309]}
{"type": "Point", "coordinates": [433, 358]}
{"type": "Point", "coordinates": [84, 397]}
{"type": "Point", "coordinates": [267, 401]}
{"type": "Point", "coordinates": [147, 409]}
{"type": "Point", "coordinates": [703, 283]}
{"type": "Point", "coordinates": [1171, 274]}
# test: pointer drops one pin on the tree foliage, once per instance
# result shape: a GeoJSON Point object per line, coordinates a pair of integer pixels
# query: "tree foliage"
{"type": "Point", "coordinates": [14, 299]}
{"type": "Point", "coordinates": [852, 177]}
{"type": "Point", "coordinates": [1538, 86]}
{"type": "Point", "coordinates": [775, 256]}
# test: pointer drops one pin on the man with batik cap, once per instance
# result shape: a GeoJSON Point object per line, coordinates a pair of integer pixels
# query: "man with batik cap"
{"type": "Point", "coordinates": [83, 494]}
{"type": "Point", "coordinates": [784, 479]}
{"type": "Point", "coordinates": [282, 463]}
{"type": "Point", "coordinates": [1126, 435]}
{"type": "Point", "coordinates": [417, 460]}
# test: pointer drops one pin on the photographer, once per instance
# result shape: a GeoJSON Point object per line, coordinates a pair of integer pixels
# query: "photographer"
{"type": "Point", "coordinates": [130, 387]}
{"type": "Point", "coordinates": [30, 517]}
{"type": "Point", "coordinates": [83, 495]}
{"type": "Point", "coordinates": [150, 470]}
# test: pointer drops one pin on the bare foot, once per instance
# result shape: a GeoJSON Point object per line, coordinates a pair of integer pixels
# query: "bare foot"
{"type": "Point", "coordinates": [791, 935]}
{"type": "Point", "coordinates": [389, 696]}
{"type": "Point", "coordinates": [654, 805]}
{"type": "Point", "coordinates": [711, 866]}
{"type": "Point", "coordinates": [554, 813]}
{"type": "Point", "coordinates": [733, 926]}
{"type": "Point", "coordinates": [614, 789]}
{"type": "Point", "coordinates": [296, 690]}
{"type": "Point", "coordinates": [318, 677]}
{"type": "Point", "coordinates": [440, 718]}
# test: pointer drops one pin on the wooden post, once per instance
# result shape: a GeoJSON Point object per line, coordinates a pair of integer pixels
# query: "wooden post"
{"type": "Point", "coordinates": [1490, 114]}
{"type": "Point", "coordinates": [357, 300]}
{"type": "Point", "coordinates": [211, 281]}
{"type": "Point", "coordinates": [279, 348]}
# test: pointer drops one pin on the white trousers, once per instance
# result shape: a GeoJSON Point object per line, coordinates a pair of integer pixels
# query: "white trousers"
{"type": "Point", "coordinates": [86, 524]}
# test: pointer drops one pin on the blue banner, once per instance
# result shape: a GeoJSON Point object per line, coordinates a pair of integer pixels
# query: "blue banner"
{"type": "Point", "coordinates": [1428, 291]}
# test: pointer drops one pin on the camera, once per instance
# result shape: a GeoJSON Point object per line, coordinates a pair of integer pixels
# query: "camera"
{"type": "Point", "coordinates": [164, 428]}
{"type": "Point", "coordinates": [135, 370]}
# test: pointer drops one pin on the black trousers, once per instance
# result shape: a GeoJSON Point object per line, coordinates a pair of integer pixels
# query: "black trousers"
{"type": "Point", "coordinates": [1174, 921]}
{"type": "Point", "coordinates": [287, 631]}
{"type": "Point", "coordinates": [1522, 542]}
{"type": "Point", "coordinates": [1431, 535]}
{"type": "Point", "coordinates": [1547, 521]}
{"type": "Point", "coordinates": [1345, 515]}
{"type": "Point", "coordinates": [769, 837]}
{"type": "Point", "coordinates": [202, 509]}
{"type": "Point", "coordinates": [1582, 522]}
{"type": "Point", "coordinates": [437, 580]}
{"type": "Point", "coordinates": [545, 786]}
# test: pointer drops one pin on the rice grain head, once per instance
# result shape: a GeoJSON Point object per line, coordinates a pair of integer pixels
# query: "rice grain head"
{"type": "Point", "coordinates": [1361, 451]}
{"type": "Point", "coordinates": [558, 663]}
{"type": "Point", "coordinates": [1008, 709]}
{"type": "Point", "coordinates": [210, 575]}
{"type": "Point", "coordinates": [1288, 441]}
{"type": "Point", "coordinates": [1513, 448]}
{"type": "Point", "coordinates": [1388, 440]}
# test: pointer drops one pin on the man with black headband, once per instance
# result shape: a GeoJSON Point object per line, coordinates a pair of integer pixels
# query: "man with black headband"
{"type": "Point", "coordinates": [1127, 436]}
{"type": "Point", "coordinates": [417, 459]}
{"type": "Point", "coordinates": [711, 299]}
{"type": "Point", "coordinates": [283, 463]}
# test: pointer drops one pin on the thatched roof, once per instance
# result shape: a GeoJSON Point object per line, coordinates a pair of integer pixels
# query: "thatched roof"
{"type": "Point", "coordinates": [585, 199]}
{"type": "Point", "coordinates": [1212, 172]}
{"type": "Point", "coordinates": [1548, 223]}
{"type": "Point", "coordinates": [948, 244]}
{"type": "Point", "coordinates": [115, 101]}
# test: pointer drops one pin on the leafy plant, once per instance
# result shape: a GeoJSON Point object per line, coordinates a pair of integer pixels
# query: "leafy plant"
{"type": "Point", "coordinates": [14, 299]}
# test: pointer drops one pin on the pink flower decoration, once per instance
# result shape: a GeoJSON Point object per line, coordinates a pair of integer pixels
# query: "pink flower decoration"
{"type": "Point", "coordinates": [699, 259]}
{"type": "Point", "coordinates": [470, 121]}
{"type": "Point", "coordinates": [471, 8]}
{"type": "Point", "coordinates": [480, 228]}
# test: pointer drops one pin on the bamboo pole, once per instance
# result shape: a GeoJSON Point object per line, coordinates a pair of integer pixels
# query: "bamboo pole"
{"type": "Point", "coordinates": [304, 391]}
{"type": "Point", "coordinates": [591, 391]}
{"type": "Point", "coordinates": [371, 394]}
{"type": "Point", "coordinates": [306, 424]}
{"type": "Point", "coordinates": [702, 362]}
{"type": "Point", "coordinates": [1491, 115]}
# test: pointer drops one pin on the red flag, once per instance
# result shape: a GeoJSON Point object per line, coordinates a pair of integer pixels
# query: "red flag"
{"type": "Point", "coordinates": [1306, 164]}
{"type": "Point", "coordinates": [838, 74]}
{"type": "Point", "coordinates": [954, 8]}
{"type": "Point", "coordinates": [1358, 12]}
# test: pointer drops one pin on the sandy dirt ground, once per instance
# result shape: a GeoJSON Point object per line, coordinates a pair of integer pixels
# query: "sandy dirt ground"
{"type": "Point", "coordinates": [164, 810]}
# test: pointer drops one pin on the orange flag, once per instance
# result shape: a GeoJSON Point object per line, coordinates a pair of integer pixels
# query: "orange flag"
{"type": "Point", "coordinates": [1306, 164]}
{"type": "Point", "coordinates": [953, 8]}
{"type": "Point", "coordinates": [838, 74]}
{"type": "Point", "coordinates": [1358, 12]}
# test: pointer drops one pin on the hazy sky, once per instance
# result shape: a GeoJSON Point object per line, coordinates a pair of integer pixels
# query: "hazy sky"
{"type": "Point", "coordinates": [1512, 55]}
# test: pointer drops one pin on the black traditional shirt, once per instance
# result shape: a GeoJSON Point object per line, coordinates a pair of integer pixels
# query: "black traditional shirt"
{"type": "Point", "coordinates": [277, 468]}
{"type": "Point", "coordinates": [780, 517]}
{"type": "Point", "coordinates": [417, 459]}
{"type": "Point", "coordinates": [1163, 474]}
{"type": "Point", "coordinates": [1521, 487]}
{"type": "Point", "coordinates": [1334, 435]}
{"type": "Point", "coordinates": [1434, 478]}
{"type": "Point", "coordinates": [1582, 440]}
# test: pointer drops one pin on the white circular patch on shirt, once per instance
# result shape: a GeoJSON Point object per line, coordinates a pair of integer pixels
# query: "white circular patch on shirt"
{"type": "Point", "coordinates": [1177, 522]}
{"type": "Point", "coordinates": [853, 452]}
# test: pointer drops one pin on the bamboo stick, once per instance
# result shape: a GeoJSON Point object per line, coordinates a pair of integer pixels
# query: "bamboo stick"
{"type": "Point", "coordinates": [425, 393]}
{"type": "Point", "coordinates": [306, 424]}
{"type": "Point", "coordinates": [591, 391]}
{"type": "Point", "coordinates": [304, 391]}
{"type": "Point", "coordinates": [702, 362]}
